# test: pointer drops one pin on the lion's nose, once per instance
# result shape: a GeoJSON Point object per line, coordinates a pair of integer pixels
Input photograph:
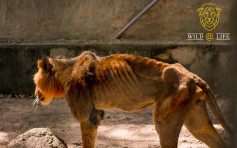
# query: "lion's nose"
{"type": "Point", "coordinates": [209, 19]}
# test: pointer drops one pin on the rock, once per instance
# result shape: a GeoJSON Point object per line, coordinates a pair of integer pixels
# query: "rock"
{"type": "Point", "coordinates": [37, 138]}
{"type": "Point", "coordinates": [184, 55]}
{"type": "Point", "coordinates": [164, 56]}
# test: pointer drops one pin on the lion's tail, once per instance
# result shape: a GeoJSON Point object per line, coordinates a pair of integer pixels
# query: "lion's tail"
{"type": "Point", "coordinates": [212, 103]}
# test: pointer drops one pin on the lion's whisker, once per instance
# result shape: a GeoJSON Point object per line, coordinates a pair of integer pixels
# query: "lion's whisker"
{"type": "Point", "coordinates": [35, 102]}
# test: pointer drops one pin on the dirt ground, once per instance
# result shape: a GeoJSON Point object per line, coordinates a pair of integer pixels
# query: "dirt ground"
{"type": "Point", "coordinates": [123, 130]}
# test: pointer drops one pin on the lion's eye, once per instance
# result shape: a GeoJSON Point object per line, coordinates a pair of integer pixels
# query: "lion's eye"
{"type": "Point", "coordinates": [213, 14]}
{"type": "Point", "coordinates": [205, 14]}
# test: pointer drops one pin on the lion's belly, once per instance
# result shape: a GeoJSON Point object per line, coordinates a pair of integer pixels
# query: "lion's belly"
{"type": "Point", "coordinates": [130, 97]}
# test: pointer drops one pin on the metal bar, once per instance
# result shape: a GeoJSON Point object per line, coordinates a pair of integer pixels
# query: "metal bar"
{"type": "Point", "coordinates": [136, 17]}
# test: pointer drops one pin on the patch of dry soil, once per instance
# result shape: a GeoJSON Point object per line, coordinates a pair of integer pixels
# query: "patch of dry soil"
{"type": "Point", "coordinates": [118, 130]}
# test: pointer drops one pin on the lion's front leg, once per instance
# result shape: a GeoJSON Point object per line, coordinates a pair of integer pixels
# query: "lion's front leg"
{"type": "Point", "coordinates": [89, 127]}
{"type": "Point", "coordinates": [88, 117]}
{"type": "Point", "coordinates": [89, 132]}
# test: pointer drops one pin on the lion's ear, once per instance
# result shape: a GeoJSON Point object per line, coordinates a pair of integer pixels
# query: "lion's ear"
{"type": "Point", "coordinates": [200, 10]}
{"type": "Point", "coordinates": [44, 64]}
{"type": "Point", "coordinates": [218, 10]}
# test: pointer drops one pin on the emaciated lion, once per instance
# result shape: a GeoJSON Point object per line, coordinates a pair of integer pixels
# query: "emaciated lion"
{"type": "Point", "coordinates": [91, 84]}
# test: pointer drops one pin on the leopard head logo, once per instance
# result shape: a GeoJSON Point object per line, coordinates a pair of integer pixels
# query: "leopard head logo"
{"type": "Point", "coordinates": [209, 15]}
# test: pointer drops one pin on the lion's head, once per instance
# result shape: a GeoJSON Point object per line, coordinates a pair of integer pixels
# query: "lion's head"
{"type": "Point", "coordinates": [47, 86]}
{"type": "Point", "coordinates": [209, 15]}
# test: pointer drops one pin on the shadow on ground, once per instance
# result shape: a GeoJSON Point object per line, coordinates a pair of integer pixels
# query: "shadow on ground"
{"type": "Point", "coordinates": [118, 130]}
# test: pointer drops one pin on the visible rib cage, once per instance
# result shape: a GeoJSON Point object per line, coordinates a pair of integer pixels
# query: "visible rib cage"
{"type": "Point", "coordinates": [117, 77]}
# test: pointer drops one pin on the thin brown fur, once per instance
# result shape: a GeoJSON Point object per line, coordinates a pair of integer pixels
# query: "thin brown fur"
{"type": "Point", "coordinates": [91, 84]}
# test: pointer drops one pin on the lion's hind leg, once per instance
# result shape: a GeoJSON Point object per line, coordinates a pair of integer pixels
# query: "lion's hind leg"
{"type": "Point", "coordinates": [198, 123]}
{"type": "Point", "coordinates": [170, 110]}
{"type": "Point", "coordinates": [168, 126]}
{"type": "Point", "coordinates": [169, 116]}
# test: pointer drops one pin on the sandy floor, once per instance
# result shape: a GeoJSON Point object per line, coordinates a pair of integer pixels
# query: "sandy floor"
{"type": "Point", "coordinates": [118, 130]}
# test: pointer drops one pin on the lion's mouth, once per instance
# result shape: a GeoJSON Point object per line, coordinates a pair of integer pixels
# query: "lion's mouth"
{"type": "Point", "coordinates": [45, 101]}
{"type": "Point", "coordinates": [209, 24]}
{"type": "Point", "coordinates": [41, 99]}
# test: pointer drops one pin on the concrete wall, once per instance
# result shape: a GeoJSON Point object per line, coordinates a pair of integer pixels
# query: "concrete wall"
{"type": "Point", "coordinates": [18, 63]}
{"type": "Point", "coordinates": [76, 21]}
{"type": "Point", "coordinates": [30, 29]}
